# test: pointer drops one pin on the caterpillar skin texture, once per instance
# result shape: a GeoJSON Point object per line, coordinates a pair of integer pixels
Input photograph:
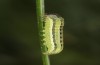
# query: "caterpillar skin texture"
{"type": "Point", "coordinates": [58, 35]}
{"type": "Point", "coordinates": [48, 37]}
{"type": "Point", "coordinates": [53, 33]}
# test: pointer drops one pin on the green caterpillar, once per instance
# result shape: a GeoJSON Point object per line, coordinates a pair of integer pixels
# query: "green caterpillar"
{"type": "Point", "coordinates": [53, 34]}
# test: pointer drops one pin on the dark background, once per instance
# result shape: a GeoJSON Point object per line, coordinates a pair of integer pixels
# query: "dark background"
{"type": "Point", "coordinates": [19, 44]}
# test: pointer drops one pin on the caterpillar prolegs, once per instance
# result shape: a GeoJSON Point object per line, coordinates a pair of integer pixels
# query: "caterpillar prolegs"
{"type": "Point", "coordinates": [53, 34]}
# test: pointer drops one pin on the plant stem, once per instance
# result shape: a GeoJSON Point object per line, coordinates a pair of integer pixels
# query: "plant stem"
{"type": "Point", "coordinates": [40, 18]}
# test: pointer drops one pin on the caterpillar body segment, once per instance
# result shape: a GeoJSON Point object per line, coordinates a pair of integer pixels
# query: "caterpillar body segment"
{"type": "Point", "coordinates": [53, 34]}
{"type": "Point", "coordinates": [58, 35]}
{"type": "Point", "coordinates": [48, 37]}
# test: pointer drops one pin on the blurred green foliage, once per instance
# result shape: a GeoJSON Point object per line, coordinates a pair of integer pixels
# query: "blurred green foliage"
{"type": "Point", "coordinates": [19, 44]}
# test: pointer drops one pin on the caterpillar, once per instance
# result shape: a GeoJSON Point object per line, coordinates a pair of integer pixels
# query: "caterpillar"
{"type": "Point", "coordinates": [53, 34]}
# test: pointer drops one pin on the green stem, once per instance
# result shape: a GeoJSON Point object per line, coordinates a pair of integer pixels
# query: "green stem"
{"type": "Point", "coordinates": [40, 18]}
